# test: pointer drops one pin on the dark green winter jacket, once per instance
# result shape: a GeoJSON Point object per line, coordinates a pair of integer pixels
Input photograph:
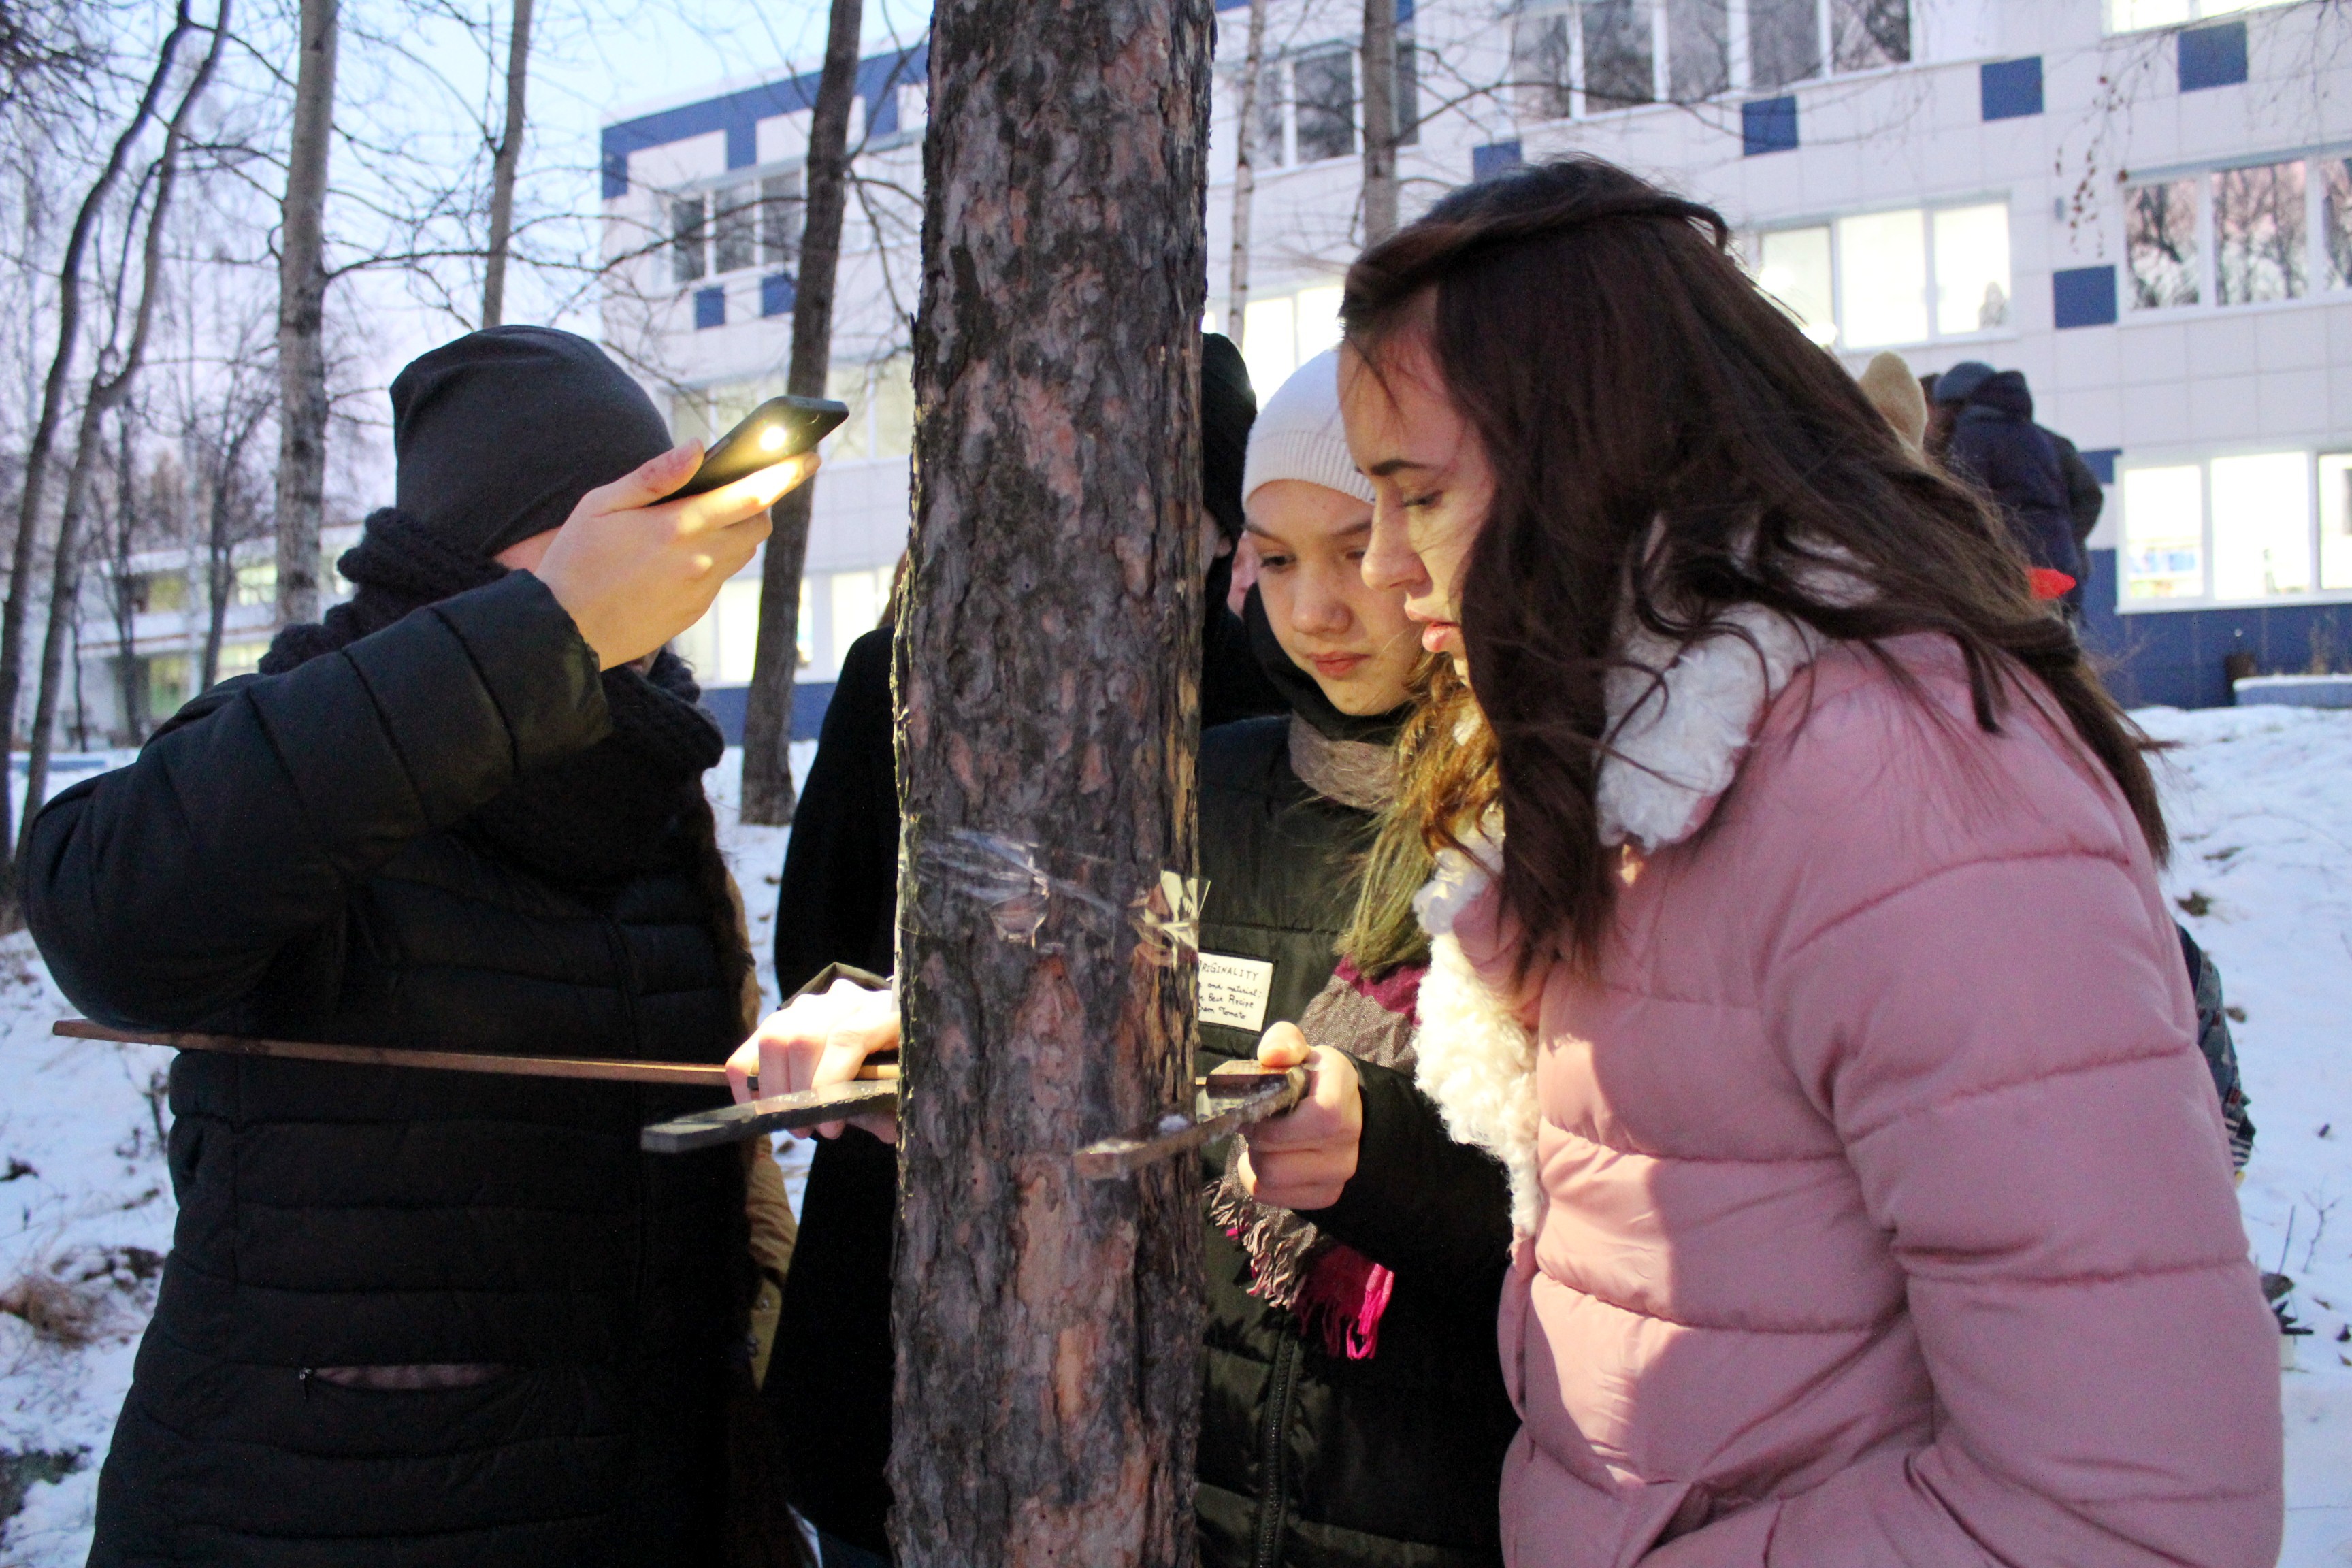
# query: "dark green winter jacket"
{"type": "Point", "coordinates": [1308, 1459]}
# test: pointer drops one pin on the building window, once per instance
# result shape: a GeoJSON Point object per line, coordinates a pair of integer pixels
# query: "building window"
{"type": "Point", "coordinates": [2336, 520]}
{"type": "Point", "coordinates": [2131, 15]}
{"type": "Point", "coordinates": [1877, 279]}
{"type": "Point", "coordinates": [1698, 49]}
{"type": "Point", "coordinates": [2244, 236]}
{"type": "Point", "coordinates": [1595, 56]}
{"type": "Point", "coordinates": [2164, 533]}
{"type": "Point", "coordinates": [256, 585]}
{"type": "Point", "coordinates": [1618, 70]}
{"type": "Point", "coordinates": [1324, 90]}
{"type": "Point", "coordinates": [781, 214]}
{"type": "Point", "coordinates": [1541, 65]}
{"type": "Point", "coordinates": [2161, 242]}
{"type": "Point", "coordinates": [1784, 42]}
{"type": "Point", "coordinates": [881, 399]}
{"type": "Point", "coordinates": [159, 593]}
{"type": "Point", "coordinates": [2258, 234]}
{"type": "Point", "coordinates": [687, 259]}
{"type": "Point", "coordinates": [2237, 528]}
{"type": "Point", "coordinates": [1280, 332]}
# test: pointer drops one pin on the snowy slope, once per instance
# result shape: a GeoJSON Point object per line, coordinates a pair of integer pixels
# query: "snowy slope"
{"type": "Point", "coordinates": [2261, 803]}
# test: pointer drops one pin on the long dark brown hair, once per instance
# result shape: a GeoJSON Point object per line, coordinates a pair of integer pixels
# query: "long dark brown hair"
{"type": "Point", "coordinates": [1625, 376]}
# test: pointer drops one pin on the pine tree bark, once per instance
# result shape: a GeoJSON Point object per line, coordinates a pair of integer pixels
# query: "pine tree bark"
{"type": "Point", "coordinates": [1047, 667]}
{"type": "Point", "coordinates": [301, 320]}
{"type": "Point", "coordinates": [775, 658]}
{"type": "Point", "coordinates": [1379, 61]}
{"type": "Point", "coordinates": [1237, 278]}
{"type": "Point", "coordinates": [502, 168]}
{"type": "Point", "coordinates": [41, 448]}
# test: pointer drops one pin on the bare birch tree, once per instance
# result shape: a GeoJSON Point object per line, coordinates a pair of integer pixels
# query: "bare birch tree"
{"type": "Point", "coordinates": [1047, 668]}
{"type": "Point", "coordinates": [301, 318]}
{"type": "Point", "coordinates": [118, 365]}
{"type": "Point", "coordinates": [39, 448]}
{"type": "Point", "coordinates": [768, 705]}
{"type": "Point", "coordinates": [1245, 131]}
{"type": "Point", "coordinates": [1380, 71]}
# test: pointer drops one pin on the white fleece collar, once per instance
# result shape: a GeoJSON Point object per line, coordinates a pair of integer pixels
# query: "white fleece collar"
{"type": "Point", "coordinates": [1681, 720]}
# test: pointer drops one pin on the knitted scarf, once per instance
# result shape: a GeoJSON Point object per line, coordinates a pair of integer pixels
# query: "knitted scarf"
{"type": "Point", "coordinates": [629, 805]}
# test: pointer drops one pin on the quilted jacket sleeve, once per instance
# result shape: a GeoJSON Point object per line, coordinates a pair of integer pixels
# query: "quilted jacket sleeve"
{"type": "Point", "coordinates": [164, 892]}
{"type": "Point", "coordinates": [2039, 1140]}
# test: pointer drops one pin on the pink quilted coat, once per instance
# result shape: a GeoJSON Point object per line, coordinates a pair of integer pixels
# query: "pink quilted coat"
{"type": "Point", "coordinates": [1874, 1204]}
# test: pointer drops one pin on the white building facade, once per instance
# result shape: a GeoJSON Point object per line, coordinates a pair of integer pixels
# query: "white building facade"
{"type": "Point", "coordinates": [2145, 205]}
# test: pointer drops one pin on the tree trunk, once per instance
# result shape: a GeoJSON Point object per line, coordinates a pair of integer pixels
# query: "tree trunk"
{"type": "Point", "coordinates": [1379, 120]}
{"type": "Point", "coordinates": [124, 586]}
{"type": "Point", "coordinates": [775, 658]}
{"type": "Point", "coordinates": [107, 391]}
{"type": "Point", "coordinates": [301, 310]}
{"type": "Point", "coordinates": [1237, 286]}
{"type": "Point", "coordinates": [39, 451]}
{"type": "Point", "coordinates": [1047, 668]}
{"type": "Point", "coordinates": [502, 169]}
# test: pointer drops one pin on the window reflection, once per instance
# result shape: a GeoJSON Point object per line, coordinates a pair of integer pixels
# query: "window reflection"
{"type": "Point", "coordinates": [2161, 242]}
{"type": "Point", "coordinates": [2262, 526]}
{"type": "Point", "coordinates": [2258, 234]}
{"type": "Point", "coordinates": [2164, 533]}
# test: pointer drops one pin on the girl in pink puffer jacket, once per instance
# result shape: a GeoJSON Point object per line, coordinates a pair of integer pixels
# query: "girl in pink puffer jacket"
{"type": "Point", "coordinates": [1873, 1206]}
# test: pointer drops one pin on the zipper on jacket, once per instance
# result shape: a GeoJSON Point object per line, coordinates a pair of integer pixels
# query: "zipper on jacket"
{"type": "Point", "coordinates": [1274, 1480]}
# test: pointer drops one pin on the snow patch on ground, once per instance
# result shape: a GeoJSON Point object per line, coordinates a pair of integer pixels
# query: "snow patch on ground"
{"type": "Point", "coordinates": [2260, 800]}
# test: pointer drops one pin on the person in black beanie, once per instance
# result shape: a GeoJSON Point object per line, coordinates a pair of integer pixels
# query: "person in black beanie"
{"type": "Point", "coordinates": [838, 904]}
{"type": "Point", "coordinates": [416, 1318]}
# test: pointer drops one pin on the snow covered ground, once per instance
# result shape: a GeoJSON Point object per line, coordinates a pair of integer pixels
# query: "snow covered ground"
{"type": "Point", "coordinates": [2262, 805]}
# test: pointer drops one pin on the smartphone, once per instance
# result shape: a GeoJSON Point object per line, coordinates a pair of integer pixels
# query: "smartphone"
{"type": "Point", "coordinates": [779, 428]}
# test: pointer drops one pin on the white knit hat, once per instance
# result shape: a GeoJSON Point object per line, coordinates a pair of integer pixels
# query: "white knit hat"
{"type": "Point", "coordinates": [1298, 435]}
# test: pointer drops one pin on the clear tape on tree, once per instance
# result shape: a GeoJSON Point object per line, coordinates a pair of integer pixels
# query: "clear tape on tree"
{"type": "Point", "coordinates": [1019, 882]}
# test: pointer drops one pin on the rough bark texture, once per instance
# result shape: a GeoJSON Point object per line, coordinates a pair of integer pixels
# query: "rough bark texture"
{"type": "Point", "coordinates": [1238, 279]}
{"type": "Point", "coordinates": [502, 168]}
{"type": "Point", "coordinates": [1047, 667]}
{"type": "Point", "coordinates": [301, 317]}
{"type": "Point", "coordinates": [776, 657]}
{"type": "Point", "coordinates": [1379, 120]}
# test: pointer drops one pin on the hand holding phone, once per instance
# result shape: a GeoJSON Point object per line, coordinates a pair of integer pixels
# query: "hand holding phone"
{"type": "Point", "coordinates": [779, 428]}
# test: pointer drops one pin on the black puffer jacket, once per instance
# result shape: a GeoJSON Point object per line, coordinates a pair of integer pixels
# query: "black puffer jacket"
{"type": "Point", "coordinates": [1308, 1459]}
{"type": "Point", "coordinates": [281, 860]}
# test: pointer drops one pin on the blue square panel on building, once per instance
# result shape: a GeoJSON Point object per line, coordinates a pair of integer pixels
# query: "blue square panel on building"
{"type": "Point", "coordinates": [710, 307]}
{"type": "Point", "coordinates": [1493, 158]}
{"type": "Point", "coordinates": [1767, 125]}
{"type": "Point", "coordinates": [776, 294]}
{"type": "Point", "coordinates": [2083, 297]}
{"type": "Point", "coordinates": [2212, 56]}
{"type": "Point", "coordinates": [2011, 90]}
{"type": "Point", "coordinates": [2101, 463]}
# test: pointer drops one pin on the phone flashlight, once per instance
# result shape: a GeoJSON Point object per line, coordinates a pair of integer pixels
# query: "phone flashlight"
{"type": "Point", "coordinates": [779, 428]}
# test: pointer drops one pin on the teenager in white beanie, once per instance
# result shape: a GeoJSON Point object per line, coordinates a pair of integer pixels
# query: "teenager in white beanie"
{"type": "Point", "coordinates": [1353, 1412]}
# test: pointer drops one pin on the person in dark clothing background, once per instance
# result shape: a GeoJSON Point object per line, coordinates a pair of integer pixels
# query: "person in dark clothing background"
{"type": "Point", "coordinates": [416, 1318]}
{"type": "Point", "coordinates": [836, 903]}
{"type": "Point", "coordinates": [1994, 443]}
{"type": "Point", "coordinates": [1353, 1412]}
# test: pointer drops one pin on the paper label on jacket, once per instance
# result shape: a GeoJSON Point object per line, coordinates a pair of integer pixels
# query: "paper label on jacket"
{"type": "Point", "coordinates": [1233, 990]}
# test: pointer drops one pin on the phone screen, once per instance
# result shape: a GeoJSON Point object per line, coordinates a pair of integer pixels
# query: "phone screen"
{"type": "Point", "coordinates": [779, 428]}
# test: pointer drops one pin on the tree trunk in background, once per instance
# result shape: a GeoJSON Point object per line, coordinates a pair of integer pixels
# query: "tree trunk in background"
{"type": "Point", "coordinates": [1238, 283]}
{"type": "Point", "coordinates": [502, 169]}
{"type": "Point", "coordinates": [107, 392]}
{"type": "Point", "coordinates": [39, 449]}
{"type": "Point", "coordinates": [1379, 120]}
{"type": "Point", "coordinates": [1047, 1327]}
{"type": "Point", "coordinates": [122, 586]}
{"type": "Point", "coordinates": [775, 658]}
{"type": "Point", "coordinates": [301, 310]}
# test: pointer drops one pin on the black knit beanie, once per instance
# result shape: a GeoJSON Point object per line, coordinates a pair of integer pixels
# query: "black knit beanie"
{"type": "Point", "coordinates": [1228, 409]}
{"type": "Point", "coordinates": [496, 436]}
